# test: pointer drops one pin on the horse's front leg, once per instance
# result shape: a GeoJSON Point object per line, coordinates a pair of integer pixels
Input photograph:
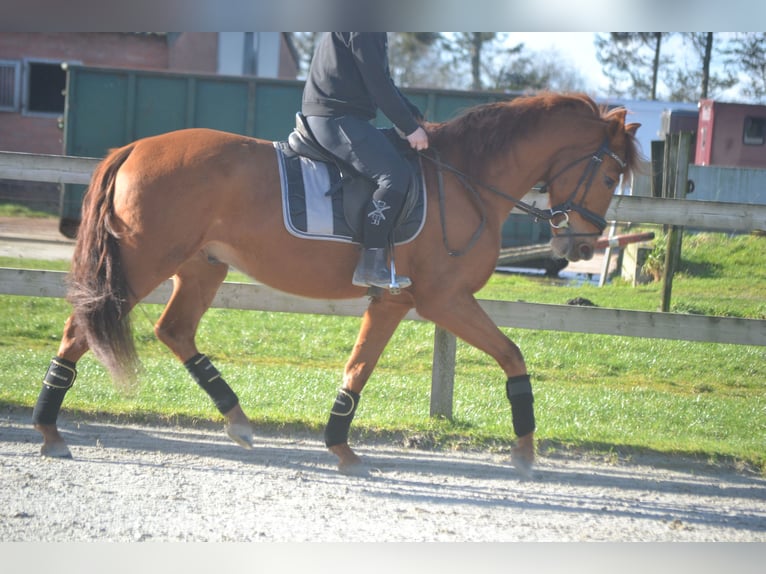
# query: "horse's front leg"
{"type": "Point", "coordinates": [378, 324]}
{"type": "Point", "coordinates": [58, 380]}
{"type": "Point", "coordinates": [464, 317]}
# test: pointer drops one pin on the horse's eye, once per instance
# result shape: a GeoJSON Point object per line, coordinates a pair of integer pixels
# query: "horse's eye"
{"type": "Point", "coordinates": [609, 182]}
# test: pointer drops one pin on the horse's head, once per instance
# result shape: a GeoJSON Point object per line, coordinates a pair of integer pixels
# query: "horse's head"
{"type": "Point", "coordinates": [582, 184]}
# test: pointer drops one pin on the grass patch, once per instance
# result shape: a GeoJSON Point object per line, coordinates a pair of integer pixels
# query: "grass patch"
{"type": "Point", "coordinates": [593, 392]}
{"type": "Point", "coordinates": [17, 210]}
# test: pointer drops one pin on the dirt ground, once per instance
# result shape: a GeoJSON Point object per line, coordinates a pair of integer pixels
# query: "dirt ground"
{"type": "Point", "coordinates": [164, 483]}
{"type": "Point", "coordinates": [33, 238]}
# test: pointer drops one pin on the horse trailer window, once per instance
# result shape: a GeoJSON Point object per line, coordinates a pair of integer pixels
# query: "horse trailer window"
{"type": "Point", "coordinates": [10, 73]}
{"type": "Point", "coordinates": [755, 130]}
{"type": "Point", "coordinates": [46, 82]}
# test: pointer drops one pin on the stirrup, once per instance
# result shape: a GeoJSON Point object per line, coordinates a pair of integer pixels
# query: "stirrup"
{"type": "Point", "coordinates": [373, 271]}
{"type": "Point", "coordinates": [395, 286]}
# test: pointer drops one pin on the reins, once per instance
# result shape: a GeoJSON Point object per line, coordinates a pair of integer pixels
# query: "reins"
{"type": "Point", "coordinates": [465, 180]}
{"type": "Point", "coordinates": [548, 215]}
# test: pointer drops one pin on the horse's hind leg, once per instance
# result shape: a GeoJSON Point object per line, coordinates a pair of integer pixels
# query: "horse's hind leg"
{"type": "Point", "coordinates": [194, 287]}
{"type": "Point", "coordinates": [58, 380]}
{"type": "Point", "coordinates": [378, 324]}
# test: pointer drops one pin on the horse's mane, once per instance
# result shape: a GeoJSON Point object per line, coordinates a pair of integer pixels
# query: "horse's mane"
{"type": "Point", "coordinates": [488, 129]}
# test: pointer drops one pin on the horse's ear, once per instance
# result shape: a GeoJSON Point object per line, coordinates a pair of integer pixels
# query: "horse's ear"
{"type": "Point", "coordinates": [616, 121]}
{"type": "Point", "coordinates": [618, 114]}
{"type": "Point", "coordinates": [631, 128]}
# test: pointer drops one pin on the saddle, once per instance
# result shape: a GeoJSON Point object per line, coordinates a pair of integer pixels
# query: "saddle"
{"type": "Point", "coordinates": [316, 185]}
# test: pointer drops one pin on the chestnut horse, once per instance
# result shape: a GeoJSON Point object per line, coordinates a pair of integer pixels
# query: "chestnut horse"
{"type": "Point", "coordinates": [188, 204]}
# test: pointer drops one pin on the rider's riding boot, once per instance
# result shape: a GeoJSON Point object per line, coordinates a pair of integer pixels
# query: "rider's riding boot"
{"type": "Point", "coordinates": [373, 271]}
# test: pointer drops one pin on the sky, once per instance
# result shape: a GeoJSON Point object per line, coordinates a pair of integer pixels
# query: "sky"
{"type": "Point", "coordinates": [577, 47]}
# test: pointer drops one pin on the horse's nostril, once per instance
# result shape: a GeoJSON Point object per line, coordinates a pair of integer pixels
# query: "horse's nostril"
{"type": "Point", "coordinates": [586, 252]}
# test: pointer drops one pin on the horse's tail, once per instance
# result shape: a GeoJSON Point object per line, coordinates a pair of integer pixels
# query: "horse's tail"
{"type": "Point", "coordinates": [98, 289]}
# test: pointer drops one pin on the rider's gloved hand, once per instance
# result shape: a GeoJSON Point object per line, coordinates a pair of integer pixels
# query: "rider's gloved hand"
{"type": "Point", "coordinates": [418, 139]}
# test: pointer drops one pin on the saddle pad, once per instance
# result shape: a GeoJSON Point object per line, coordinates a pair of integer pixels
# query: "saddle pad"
{"type": "Point", "coordinates": [310, 212]}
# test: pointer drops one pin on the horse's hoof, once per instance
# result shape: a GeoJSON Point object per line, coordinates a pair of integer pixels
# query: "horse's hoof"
{"type": "Point", "coordinates": [55, 450]}
{"type": "Point", "coordinates": [240, 434]}
{"type": "Point", "coordinates": [523, 465]}
{"type": "Point", "coordinates": [523, 455]}
{"type": "Point", "coordinates": [349, 463]}
{"type": "Point", "coordinates": [354, 469]}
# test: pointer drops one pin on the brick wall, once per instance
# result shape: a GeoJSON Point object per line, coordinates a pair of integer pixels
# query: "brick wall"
{"type": "Point", "coordinates": [35, 133]}
{"type": "Point", "coordinates": [89, 48]}
{"type": "Point", "coordinates": [193, 52]}
{"type": "Point", "coordinates": [288, 67]}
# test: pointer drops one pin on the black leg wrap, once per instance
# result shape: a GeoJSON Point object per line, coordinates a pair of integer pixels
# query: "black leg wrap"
{"type": "Point", "coordinates": [519, 392]}
{"type": "Point", "coordinates": [59, 378]}
{"type": "Point", "coordinates": [341, 415]}
{"type": "Point", "coordinates": [208, 377]}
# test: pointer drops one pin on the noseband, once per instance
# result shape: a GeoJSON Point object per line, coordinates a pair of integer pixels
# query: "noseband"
{"type": "Point", "coordinates": [563, 208]}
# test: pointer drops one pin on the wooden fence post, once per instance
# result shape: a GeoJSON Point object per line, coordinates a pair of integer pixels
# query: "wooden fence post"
{"type": "Point", "coordinates": [678, 174]}
{"type": "Point", "coordinates": [443, 373]}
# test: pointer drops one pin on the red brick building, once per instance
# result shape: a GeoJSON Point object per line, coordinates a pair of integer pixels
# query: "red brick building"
{"type": "Point", "coordinates": [32, 79]}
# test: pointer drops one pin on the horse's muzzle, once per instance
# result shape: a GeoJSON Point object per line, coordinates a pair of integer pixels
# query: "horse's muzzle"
{"type": "Point", "coordinates": [573, 247]}
{"type": "Point", "coordinates": [586, 251]}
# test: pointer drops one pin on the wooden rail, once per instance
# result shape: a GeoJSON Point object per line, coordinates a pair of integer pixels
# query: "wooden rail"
{"type": "Point", "coordinates": [50, 168]}
{"type": "Point", "coordinates": [714, 215]}
{"type": "Point", "coordinates": [565, 318]}
{"type": "Point", "coordinates": [538, 316]}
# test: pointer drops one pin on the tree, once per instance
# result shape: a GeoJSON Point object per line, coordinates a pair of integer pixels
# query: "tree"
{"type": "Point", "coordinates": [415, 59]}
{"type": "Point", "coordinates": [747, 53]}
{"type": "Point", "coordinates": [629, 58]}
{"type": "Point", "coordinates": [707, 53]}
{"type": "Point", "coordinates": [690, 83]}
{"type": "Point", "coordinates": [466, 60]}
{"type": "Point", "coordinates": [539, 71]}
{"type": "Point", "coordinates": [304, 43]}
{"type": "Point", "coordinates": [480, 50]}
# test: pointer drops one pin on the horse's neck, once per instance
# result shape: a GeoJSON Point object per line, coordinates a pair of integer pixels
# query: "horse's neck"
{"type": "Point", "coordinates": [513, 175]}
{"type": "Point", "coordinates": [528, 161]}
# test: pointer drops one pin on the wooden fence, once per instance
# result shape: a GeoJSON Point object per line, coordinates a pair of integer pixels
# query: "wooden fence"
{"type": "Point", "coordinates": [592, 320]}
{"type": "Point", "coordinates": [714, 215]}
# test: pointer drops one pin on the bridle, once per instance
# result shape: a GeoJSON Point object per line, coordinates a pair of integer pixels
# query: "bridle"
{"type": "Point", "coordinates": [554, 213]}
{"type": "Point", "coordinates": [563, 208]}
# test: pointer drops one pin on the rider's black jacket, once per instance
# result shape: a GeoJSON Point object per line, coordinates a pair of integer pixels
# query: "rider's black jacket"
{"type": "Point", "coordinates": [349, 75]}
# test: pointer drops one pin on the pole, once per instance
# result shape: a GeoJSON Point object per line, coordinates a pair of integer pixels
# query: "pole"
{"type": "Point", "coordinates": [608, 253]}
{"type": "Point", "coordinates": [680, 169]}
{"type": "Point", "coordinates": [443, 373]}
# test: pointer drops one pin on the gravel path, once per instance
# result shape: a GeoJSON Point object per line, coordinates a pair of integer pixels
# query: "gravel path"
{"type": "Point", "coordinates": [33, 238]}
{"type": "Point", "coordinates": [151, 483]}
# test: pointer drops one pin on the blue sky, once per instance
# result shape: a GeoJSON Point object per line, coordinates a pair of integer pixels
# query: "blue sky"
{"type": "Point", "coordinates": [576, 47]}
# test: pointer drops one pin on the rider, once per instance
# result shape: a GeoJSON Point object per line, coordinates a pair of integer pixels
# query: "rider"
{"type": "Point", "coordinates": [349, 80]}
